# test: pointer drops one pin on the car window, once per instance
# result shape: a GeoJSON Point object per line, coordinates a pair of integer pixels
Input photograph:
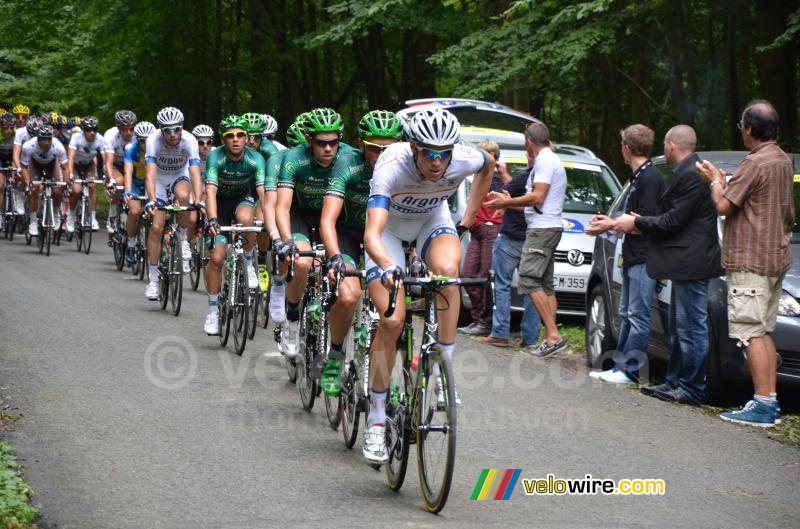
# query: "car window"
{"type": "Point", "coordinates": [590, 188]}
{"type": "Point", "coordinates": [616, 206]}
{"type": "Point", "coordinates": [665, 170]}
{"type": "Point", "coordinates": [473, 117]}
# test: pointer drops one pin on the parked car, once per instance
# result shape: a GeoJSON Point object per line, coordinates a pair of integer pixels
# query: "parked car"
{"type": "Point", "coordinates": [727, 362]}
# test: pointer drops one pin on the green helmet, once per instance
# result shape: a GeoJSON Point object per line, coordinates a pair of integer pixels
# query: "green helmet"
{"type": "Point", "coordinates": [254, 122]}
{"type": "Point", "coordinates": [380, 124]}
{"type": "Point", "coordinates": [231, 122]}
{"type": "Point", "coordinates": [295, 134]}
{"type": "Point", "coordinates": [323, 120]}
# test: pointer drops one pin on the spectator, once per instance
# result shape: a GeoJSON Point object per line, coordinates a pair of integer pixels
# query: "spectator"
{"type": "Point", "coordinates": [759, 214]}
{"type": "Point", "coordinates": [684, 247]}
{"type": "Point", "coordinates": [543, 204]}
{"type": "Point", "coordinates": [483, 232]}
{"type": "Point", "coordinates": [646, 188]}
{"type": "Point", "coordinates": [505, 259]}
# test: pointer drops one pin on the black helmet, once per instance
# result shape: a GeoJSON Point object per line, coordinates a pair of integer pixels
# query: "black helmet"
{"type": "Point", "coordinates": [89, 123]}
{"type": "Point", "coordinates": [7, 119]}
{"type": "Point", "coordinates": [45, 131]}
{"type": "Point", "coordinates": [125, 117]}
{"type": "Point", "coordinates": [32, 126]}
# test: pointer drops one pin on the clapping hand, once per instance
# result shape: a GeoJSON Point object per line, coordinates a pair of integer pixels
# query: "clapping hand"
{"type": "Point", "coordinates": [497, 199]}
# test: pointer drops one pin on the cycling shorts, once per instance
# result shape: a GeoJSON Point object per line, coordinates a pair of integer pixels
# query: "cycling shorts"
{"type": "Point", "coordinates": [306, 222]}
{"type": "Point", "coordinates": [226, 212]}
{"type": "Point", "coordinates": [397, 231]}
{"type": "Point", "coordinates": [137, 187]}
{"type": "Point", "coordinates": [165, 185]}
{"type": "Point", "coordinates": [37, 170]}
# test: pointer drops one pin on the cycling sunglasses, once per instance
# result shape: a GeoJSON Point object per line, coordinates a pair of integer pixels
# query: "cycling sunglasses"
{"type": "Point", "coordinates": [374, 147]}
{"type": "Point", "coordinates": [203, 143]}
{"type": "Point", "coordinates": [432, 154]}
{"type": "Point", "coordinates": [172, 130]}
{"type": "Point", "coordinates": [324, 143]}
{"type": "Point", "coordinates": [239, 134]}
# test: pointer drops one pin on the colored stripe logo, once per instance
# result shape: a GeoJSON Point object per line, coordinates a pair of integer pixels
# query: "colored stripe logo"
{"type": "Point", "coordinates": [496, 484]}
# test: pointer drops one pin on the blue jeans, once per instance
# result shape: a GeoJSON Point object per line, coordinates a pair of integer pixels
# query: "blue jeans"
{"type": "Point", "coordinates": [505, 259]}
{"type": "Point", "coordinates": [634, 311]}
{"type": "Point", "coordinates": [688, 359]}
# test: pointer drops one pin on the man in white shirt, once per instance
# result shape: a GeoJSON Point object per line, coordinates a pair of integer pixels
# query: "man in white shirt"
{"type": "Point", "coordinates": [543, 205]}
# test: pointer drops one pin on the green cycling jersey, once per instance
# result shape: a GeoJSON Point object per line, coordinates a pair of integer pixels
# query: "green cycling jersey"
{"type": "Point", "coordinates": [267, 149]}
{"type": "Point", "coordinates": [350, 180]}
{"type": "Point", "coordinates": [274, 164]}
{"type": "Point", "coordinates": [234, 179]}
{"type": "Point", "coordinates": [309, 181]}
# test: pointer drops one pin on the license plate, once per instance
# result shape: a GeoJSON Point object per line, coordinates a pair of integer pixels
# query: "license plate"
{"type": "Point", "coordinates": [570, 283]}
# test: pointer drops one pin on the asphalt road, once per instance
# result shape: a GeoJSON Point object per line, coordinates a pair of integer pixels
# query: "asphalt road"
{"type": "Point", "coordinates": [106, 443]}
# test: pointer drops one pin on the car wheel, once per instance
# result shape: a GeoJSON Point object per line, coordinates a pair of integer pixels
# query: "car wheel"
{"type": "Point", "coordinates": [598, 330]}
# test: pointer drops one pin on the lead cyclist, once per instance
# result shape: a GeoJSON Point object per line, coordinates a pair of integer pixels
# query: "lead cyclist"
{"type": "Point", "coordinates": [408, 202]}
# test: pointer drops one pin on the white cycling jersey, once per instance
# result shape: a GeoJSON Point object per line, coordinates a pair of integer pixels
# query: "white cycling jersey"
{"type": "Point", "coordinates": [398, 187]}
{"type": "Point", "coordinates": [115, 145]}
{"type": "Point", "coordinates": [21, 136]}
{"type": "Point", "coordinates": [172, 162]}
{"type": "Point", "coordinates": [85, 151]}
{"type": "Point", "coordinates": [279, 145]}
{"type": "Point", "coordinates": [32, 151]}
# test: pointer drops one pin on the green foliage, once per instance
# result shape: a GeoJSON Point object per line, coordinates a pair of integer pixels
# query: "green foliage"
{"type": "Point", "coordinates": [15, 508]}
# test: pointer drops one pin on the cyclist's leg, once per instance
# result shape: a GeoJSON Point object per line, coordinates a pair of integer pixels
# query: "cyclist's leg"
{"type": "Point", "coordinates": [56, 176]}
{"type": "Point", "coordinates": [301, 233]}
{"type": "Point", "coordinates": [182, 191]}
{"type": "Point", "coordinates": [2, 183]}
{"type": "Point", "coordinates": [245, 214]}
{"type": "Point", "coordinates": [114, 194]}
{"type": "Point", "coordinates": [134, 209]}
{"type": "Point", "coordinates": [77, 189]}
{"type": "Point", "coordinates": [35, 174]}
{"type": "Point", "coordinates": [91, 173]}
{"type": "Point", "coordinates": [350, 288]}
{"type": "Point", "coordinates": [157, 221]}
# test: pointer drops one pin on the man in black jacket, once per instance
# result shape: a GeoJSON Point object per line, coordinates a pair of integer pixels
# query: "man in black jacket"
{"type": "Point", "coordinates": [684, 247]}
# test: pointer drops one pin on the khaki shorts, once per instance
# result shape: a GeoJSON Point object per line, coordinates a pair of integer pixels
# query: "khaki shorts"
{"type": "Point", "coordinates": [538, 260]}
{"type": "Point", "coordinates": [752, 305]}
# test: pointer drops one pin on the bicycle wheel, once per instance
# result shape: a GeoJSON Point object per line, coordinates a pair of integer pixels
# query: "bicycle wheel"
{"type": "Point", "coordinates": [163, 274]}
{"type": "Point", "coordinates": [118, 245]}
{"type": "Point", "coordinates": [79, 227]}
{"type": "Point", "coordinates": [264, 307]}
{"type": "Point", "coordinates": [175, 275]}
{"type": "Point", "coordinates": [224, 309]}
{"type": "Point", "coordinates": [398, 433]}
{"type": "Point", "coordinates": [11, 226]}
{"type": "Point", "coordinates": [307, 344]}
{"type": "Point", "coordinates": [331, 403]}
{"type": "Point", "coordinates": [48, 240]}
{"type": "Point", "coordinates": [436, 431]}
{"type": "Point", "coordinates": [349, 399]}
{"type": "Point", "coordinates": [40, 238]}
{"type": "Point", "coordinates": [87, 240]}
{"type": "Point", "coordinates": [252, 312]}
{"type": "Point", "coordinates": [194, 268]}
{"type": "Point", "coordinates": [241, 307]}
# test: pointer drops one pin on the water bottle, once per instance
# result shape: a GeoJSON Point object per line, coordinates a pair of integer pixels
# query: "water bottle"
{"type": "Point", "coordinates": [314, 311]}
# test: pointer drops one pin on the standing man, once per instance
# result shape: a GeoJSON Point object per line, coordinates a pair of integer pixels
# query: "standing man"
{"type": "Point", "coordinates": [483, 233]}
{"type": "Point", "coordinates": [638, 288]}
{"type": "Point", "coordinates": [759, 215]}
{"type": "Point", "coordinates": [684, 247]}
{"type": "Point", "coordinates": [543, 204]}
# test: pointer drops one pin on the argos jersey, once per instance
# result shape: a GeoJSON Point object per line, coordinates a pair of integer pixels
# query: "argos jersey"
{"type": "Point", "coordinates": [350, 180]}
{"type": "Point", "coordinates": [115, 145]}
{"type": "Point", "coordinates": [134, 155]}
{"type": "Point", "coordinates": [398, 187]}
{"type": "Point", "coordinates": [21, 136]}
{"type": "Point", "coordinates": [32, 151]}
{"type": "Point", "coordinates": [172, 161]}
{"type": "Point", "coordinates": [309, 181]}
{"type": "Point", "coordinates": [234, 179]}
{"type": "Point", "coordinates": [85, 152]}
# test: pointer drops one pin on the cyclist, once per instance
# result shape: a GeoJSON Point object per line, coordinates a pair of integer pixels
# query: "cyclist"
{"type": "Point", "coordinates": [173, 168]}
{"type": "Point", "coordinates": [234, 181]}
{"type": "Point", "coordinates": [134, 182]}
{"type": "Point", "coordinates": [270, 130]}
{"type": "Point", "coordinates": [84, 147]}
{"type": "Point", "coordinates": [7, 122]}
{"type": "Point", "coordinates": [26, 126]}
{"type": "Point", "coordinates": [408, 202]}
{"type": "Point", "coordinates": [63, 131]}
{"type": "Point", "coordinates": [277, 299]}
{"type": "Point", "coordinates": [302, 181]}
{"type": "Point", "coordinates": [21, 114]}
{"type": "Point", "coordinates": [42, 156]}
{"type": "Point", "coordinates": [344, 211]}
{"type": "Point", "coordinates": [116, 138]}
{"type": "Point", "coordinates": [205, 142]}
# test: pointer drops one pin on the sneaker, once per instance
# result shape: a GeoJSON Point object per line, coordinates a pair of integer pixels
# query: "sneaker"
{"type": "Point", "coordinates": [596, 374]}
{"type": "Point", "coordinates": [289, 339]}
{"type": "Point", "coordinates": [33, 229]}
{"type": "Point", "coordinates": [545, 349]}
{"type": "Point", "coordinates": [277, 303]}
{"type": "Point", "coordinates": [71, 223]}
{"type": "Point", "coordinates": [186, 250]}
{"type": "Point", "coordinates": [151, 292]}
{"type": "Point", "coordinates": [20, 203]}
{"type": "Point", "coordinates": [754, 413]}
{"type": "Point", "coordinates": [331, 380]}
{"type": "Point", "coordinates": [475, 329]}
{"type": "Point", "coordinates": [252, 278]}
{"type": "Point", "coordinates": [211, 325]}
{"type": "Point", "coordinates": [111, 225]}
{"type": "Point", "coordinates": [130, 255]}
{"type": "Point", "coordinates": [95, 224]}
{"type": "Point", "coordinates": [491, 340]}
{"type": "Point", "coordinates": [616, 376]}
{"type": "Point", "coordinates": [374, 449]}
{"type": "Point", "coordinates": [263, 278]}
{"type": "Point", "coordinates": [777, 410]}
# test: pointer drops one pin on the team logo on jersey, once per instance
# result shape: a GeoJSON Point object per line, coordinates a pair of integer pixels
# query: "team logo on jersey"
{"type": "Point", "coordinates": [410, 202]}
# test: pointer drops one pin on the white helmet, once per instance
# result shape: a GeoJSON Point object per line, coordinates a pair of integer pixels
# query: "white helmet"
{"type": "Point", "coordinates": [203, 131]}
{"type": "Point", "coordinates": [143, 129]}
{"type": "Point", "coordinates": [169, 116]}
{"type": "Point", "coordinates": [436, 127]}
{"type": "Point", "coordinates": [272, 125]}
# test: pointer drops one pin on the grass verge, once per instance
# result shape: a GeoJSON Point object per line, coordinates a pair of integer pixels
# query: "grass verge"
{"type": "Point", "coordinates": [16, 511]}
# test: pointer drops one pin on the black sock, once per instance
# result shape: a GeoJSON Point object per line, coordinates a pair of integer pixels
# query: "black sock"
{"type": "Point", "coordinates": [292, 311]}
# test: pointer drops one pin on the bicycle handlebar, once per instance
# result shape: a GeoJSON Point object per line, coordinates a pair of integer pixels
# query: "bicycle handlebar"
{"type": "Point", "coordinates": [48, 183]}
